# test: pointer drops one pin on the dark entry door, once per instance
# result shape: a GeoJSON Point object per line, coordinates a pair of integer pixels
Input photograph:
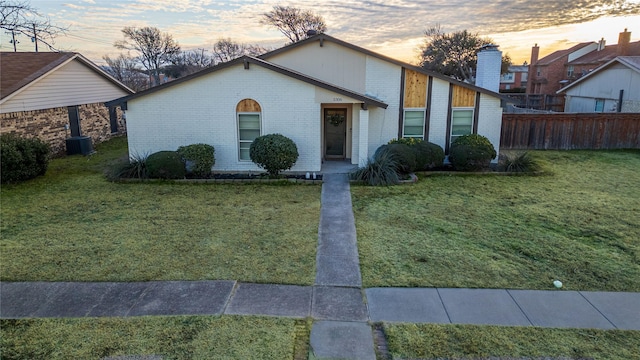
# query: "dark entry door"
{"type": "Point", "coordinates": [335, 133]}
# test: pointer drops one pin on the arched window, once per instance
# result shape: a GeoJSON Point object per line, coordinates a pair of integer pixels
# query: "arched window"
{"type": "Point", "coordinates": [249, 126]}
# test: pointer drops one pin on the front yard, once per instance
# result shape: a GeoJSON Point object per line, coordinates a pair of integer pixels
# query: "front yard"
{"type": "Point", "coordinates": [74, 225]}
{"type": "Point", "coordinates": [580, 224]}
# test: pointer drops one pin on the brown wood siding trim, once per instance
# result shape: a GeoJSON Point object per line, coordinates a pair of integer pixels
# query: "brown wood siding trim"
{"type": "Point", "coordinates": [449, 111]}
{"type": "Point", "coordinates": [248, 105]}
{"type": "Point", "coordinates": [427, 115]}
{"type": "Point", "coordinates": [401, 107]}
{"type": "Point", "coordinates": [463, 97]}
{"type": "Point", "coordinates": [476, 111]}
{"type": "Point", "coordinates": [415, 89]}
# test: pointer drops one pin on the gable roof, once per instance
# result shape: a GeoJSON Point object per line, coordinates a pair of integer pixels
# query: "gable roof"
{"type": "Point", "coordinates": [324, 37]}
{"type": "Point", "coordinates": [21, 69]}
{"type": "Point", "coordinates": [561, 53]}
{"type": "Point", "coordinates": [608, 53]}
{"type": "Point", "coordinates": [246, 60]}
{"type": "Point", "coordinates": [632, 62]}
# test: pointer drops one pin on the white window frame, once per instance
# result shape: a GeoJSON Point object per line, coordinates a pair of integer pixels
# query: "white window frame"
{"type": "Point", "coordinates": [453, 110]}
{"type": "Point", "coordinates": [570, 71]}
{"type": "Point", "coordinates": [240, 141]}
{"type": "Point", "coordinates": [404, 122]}
{"type": "Point", "coordinates": [599, 101]}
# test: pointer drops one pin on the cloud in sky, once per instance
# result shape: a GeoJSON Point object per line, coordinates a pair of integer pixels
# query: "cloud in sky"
{"type": "Point", "coordinates": [392, 27]}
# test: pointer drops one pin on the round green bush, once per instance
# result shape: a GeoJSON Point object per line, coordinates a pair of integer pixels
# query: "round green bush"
{"type": "Point", "coordinates": [165, 165]}
{"type": "Point", "coordinates": [22, 158]}
{"type": "Point", "coordinates": [198, 159]}
{"type": "Point", "coordinates": [404, 155]}
{"type": "Point", "coordinates": [274, 153]}
{"type": "Point", "coordinates": [471, 153]}
{"type": "Point", "coordinates": [428, 155]}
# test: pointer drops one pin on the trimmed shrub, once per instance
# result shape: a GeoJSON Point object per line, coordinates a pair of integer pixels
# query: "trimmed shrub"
{"type": "Point", "coordinates": [165, 165]}
{"type": "Point", "coordinates": [428, 155]}
{"type": "Point", "coordinates": [380, 170]}
{"type": "Point", "coordinates": [471, 153]}
{"type": "Point", "coordinates": [404, 155]}
{"type": "Point", "coordinates": [274, 153]}
{"type": "Point", "coordinates": [519, 162]}
{"type": "Point", "coordinates": [406, 141]}
{"type": "Point", "coordinates": [198, 159]}
{"type": "Point", "coordinates": [22, 158]}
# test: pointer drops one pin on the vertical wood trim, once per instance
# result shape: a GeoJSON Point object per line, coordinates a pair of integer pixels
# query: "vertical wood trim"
{"type": "Point", "coordinates": [427, 115]}
{"type": "Point", "coordinates": [449, 111]}
{"type": "Point", "coordinates": [401, 107]}
{"type": "Point", "coordinates": [415, 89]}
{"type": "Point", "coordinates": [463, 97]}
{"type": "Point", "coordinates": [476, 112]}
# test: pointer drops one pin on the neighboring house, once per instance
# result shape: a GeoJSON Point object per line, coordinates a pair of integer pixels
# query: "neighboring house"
{"type": "Point", "coordinates": [612, 87]}
{"type": "Point", "coordinates": [583, 65]}
{"type": "Point", "coordinates": [335, 100]}
{"type": "Point", "coordinates": [555, 71]}
{"type": "Point", "coordinates": [56, 96]}
{"type": "Point", "coordinates": [515, 79]}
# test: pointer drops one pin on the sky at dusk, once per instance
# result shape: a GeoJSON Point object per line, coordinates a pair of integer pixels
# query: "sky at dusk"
{"type": "Point", "coordinates": [391, 27]}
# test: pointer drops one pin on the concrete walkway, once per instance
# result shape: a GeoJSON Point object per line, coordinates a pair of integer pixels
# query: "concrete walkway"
{"type": "Point", "coordinates": [337, 300]}
{"type": "Point", "coordinates": [556, 308]}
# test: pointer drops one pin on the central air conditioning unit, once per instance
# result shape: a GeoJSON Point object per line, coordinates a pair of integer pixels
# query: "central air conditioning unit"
{"type": "Point", "coordinates": [79, 145]}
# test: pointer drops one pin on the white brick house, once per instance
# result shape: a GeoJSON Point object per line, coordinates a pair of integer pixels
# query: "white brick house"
{"type": "Point", "coordinates": [337, 101]}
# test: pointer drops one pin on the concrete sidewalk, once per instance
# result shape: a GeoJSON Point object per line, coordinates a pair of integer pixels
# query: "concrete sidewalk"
{"type": "Point", "coordinates": [556, 308]}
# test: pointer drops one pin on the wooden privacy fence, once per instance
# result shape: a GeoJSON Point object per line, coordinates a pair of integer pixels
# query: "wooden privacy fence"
{"type": "Point", "coordinates": [570, 131]}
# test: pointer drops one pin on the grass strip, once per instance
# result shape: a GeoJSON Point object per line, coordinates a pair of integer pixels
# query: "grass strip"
{"type": "Point", "coordinates": [175, 337]}
{"type": "Point", "coordinates": [580, 225]}
{"type": "Point", "coordinates": [431, 341]}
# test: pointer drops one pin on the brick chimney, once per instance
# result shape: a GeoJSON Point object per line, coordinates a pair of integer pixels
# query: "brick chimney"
{"type": "Point", "coordinates": [623, 43]}
{"type": "Point", "coordinates": [489, 64]}
{"type": "Point", "coordinates": [535, 51]}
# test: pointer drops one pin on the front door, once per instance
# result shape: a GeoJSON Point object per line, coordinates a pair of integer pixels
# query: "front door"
{"type": "Point", "coordinates": [335, 133]}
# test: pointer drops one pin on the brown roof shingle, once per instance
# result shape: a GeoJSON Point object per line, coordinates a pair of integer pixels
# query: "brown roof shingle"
{"type": "Point", "coordinates": [18, 69]}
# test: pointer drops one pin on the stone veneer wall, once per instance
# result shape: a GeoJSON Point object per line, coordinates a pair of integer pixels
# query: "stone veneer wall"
{"type": "Point", "coordinates": [49, 125]}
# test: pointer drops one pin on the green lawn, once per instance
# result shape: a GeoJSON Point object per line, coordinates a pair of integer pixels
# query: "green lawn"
{"type": "Point", "coordinates": [579, 224]}
{"type": "Point", "coordinates": [74, 225]}
{"type": "Point", "coordinates": [431, 341]}
{"type": "Point", "coordinates": [176, 337]}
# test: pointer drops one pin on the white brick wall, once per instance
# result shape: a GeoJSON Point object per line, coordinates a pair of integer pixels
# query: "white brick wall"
{"type": "Point", "coordinates": [204, 110]}
{"type": "Point", "coordinates": [488, 70]}
{"type": "Point", "coordinates": [439, 110]}
{"type": "Point", "coordinates": [490, 120]}
{"type": "Point", "coordinates": [383, 82]}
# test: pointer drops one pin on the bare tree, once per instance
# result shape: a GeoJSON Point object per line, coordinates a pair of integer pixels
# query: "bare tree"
{"type": "Point", "coordinates": [454, 54]}
{"type": "Point", "coordinates": [20, 18]}
{"type": "Point", "coordinates": [293, 23]}
{"type": "Point", "coordinates": [154, 48]}
{"type": "Point", "coordinates": [189, 62]}
{"type": "Point", "coordinates": [226, 50]}
{"type": "Point", "coordinates": [126, 70]}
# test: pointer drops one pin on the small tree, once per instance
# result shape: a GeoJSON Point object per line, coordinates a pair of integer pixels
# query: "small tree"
{"type": "Point", "coordinates": [454, 54]}
{"type": "Point", "coordinates": [293, 23]}
{"type": "Point", "coordinates": [125, 69]}
{"type": "Point", "coordinates": [154, 48]}
{"type": "Point", "coordinates": [274, 153]}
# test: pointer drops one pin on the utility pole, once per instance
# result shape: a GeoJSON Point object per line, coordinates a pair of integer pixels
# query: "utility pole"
{"type": "Point", "coordinates": [13, 40]}
{"type": "Point", "coordinates": [35, 36]}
